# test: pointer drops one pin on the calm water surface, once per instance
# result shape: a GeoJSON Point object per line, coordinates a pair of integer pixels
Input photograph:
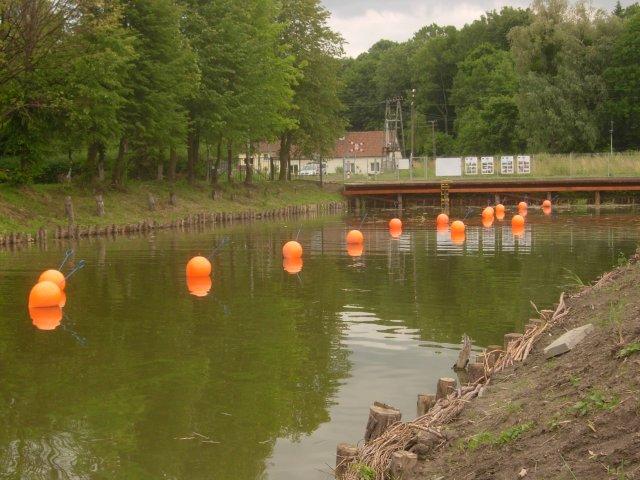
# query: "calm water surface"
{"type": "Point", "coordinates": [264, 376]}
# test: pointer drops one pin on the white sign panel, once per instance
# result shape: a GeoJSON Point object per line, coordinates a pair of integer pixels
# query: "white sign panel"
{"type": "Point", "coordinates": [471, 165]}
{"type": "Point", "coordinates": [506, 165]}
{"type": "Point", "coordinates": [524, 164]}
{"type": "Point", "coordinates": [403, 164]}
{"type": "Point", "coordinates": [486, 164]}
{"type": "Point", "coordinates": [448, 167]}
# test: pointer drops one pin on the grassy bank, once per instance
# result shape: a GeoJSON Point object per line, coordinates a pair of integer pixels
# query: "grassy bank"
{"type": "Point", "coordinates": [31, 207]}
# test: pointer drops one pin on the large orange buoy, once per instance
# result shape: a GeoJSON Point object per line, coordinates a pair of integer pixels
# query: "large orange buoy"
{"type": "Point", "coordinates": [487, 222]}
{"type": "Point", "coordinates": [546, 210]}
{"type": "Point", "coordinates": [355, 237]}
{"type": "Point", "coordinates": [292, 249]}
{"type": "Point", "coordinates": [523, 206]}
{"type": "Point", "coordinates": [355, 249]}
{"type": "Point", "coordinates": [199, 286]}
{"type": "Point", "coordinates": [198, 267]}
{"type": "Point", "coordinates": [457, 237]}
{"type": "Point", "coordinates": [46, 318]}
{"type": "Point", "coordinates": [442, 220]}
{"type": "Point", "coordinates": [395, 224]}
{"type": "Point", "coordinates": [500, 208]}
{"type": "Point", "coordinates": [457, 226]}
{"type": "Point", "coordinates": [546, 204]}
{"type": "Point", "coordinates": [54, 276]}
{"type": "Point", "coordinates": [292, 265]}
{"type": "Point", "coordinates": [45, 294]}
{"type": "Point", "coordinates": [517, 231]}
{"type": "Point", "coordinates": [488, 212]}
{"type": "Point", "coordinates": [517, 221]}
{"type": "Point", "coordinates": [395, 232]}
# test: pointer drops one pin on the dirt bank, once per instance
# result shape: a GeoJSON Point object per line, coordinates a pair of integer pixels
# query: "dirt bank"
{"type": "Point", "coordinates": [576, 416]}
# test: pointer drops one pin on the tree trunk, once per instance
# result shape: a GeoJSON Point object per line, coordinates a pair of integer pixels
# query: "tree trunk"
{"type": "Point", "coordinates": [92, 160]}
{"type": "Point", "coordinates": [100, 205]}
{"type": "Point", "coordinates": [216, 166]}
{"type": "Point", "coordinates": [101, 161]}
{"type": "Point", "coordinates": [285, 155]}
{"type": "Point", "coordinates": [117, 176]}
{"type": "Point", "coordinates": [229, 160]}
{"type": "Point", "coordinates": [248, 161]}
{"type": "Point", "coordinates": [173, 162]}
{"type": "Point", "coordinates": [193, 152]}
{"type": "Point", "coordinates": [160, 165]}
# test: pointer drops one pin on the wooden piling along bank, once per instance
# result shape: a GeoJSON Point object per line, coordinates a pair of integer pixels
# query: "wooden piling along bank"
{"type": "Point", "coordinates": [73, 231]}
{"type": "Point", "coordinates": [396, 447]}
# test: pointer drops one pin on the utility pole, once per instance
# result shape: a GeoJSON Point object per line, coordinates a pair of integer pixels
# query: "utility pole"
{"type": "Point", "coordinates": [433, 139]}
{"type": "Point", "coordinates": [413, 132]}
{"type": "Point", "coordinates": [610, 150]}
{"type": "Point", "coordinates": [394, 131]}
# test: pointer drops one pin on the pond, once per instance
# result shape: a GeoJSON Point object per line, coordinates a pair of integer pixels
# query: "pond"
{"type": "Point", "coordinates": [261, 378]}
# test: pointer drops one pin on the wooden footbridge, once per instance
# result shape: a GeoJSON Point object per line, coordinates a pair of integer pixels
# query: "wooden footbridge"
{"type": "Point", "coordinates": [442, 190]}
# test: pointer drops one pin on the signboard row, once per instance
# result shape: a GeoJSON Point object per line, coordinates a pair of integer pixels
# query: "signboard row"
{"type": "Point", "coordinates": [452, 167]}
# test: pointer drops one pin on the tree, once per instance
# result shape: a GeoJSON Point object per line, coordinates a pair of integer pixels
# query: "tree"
{"type": "Point", "coordinates": [315, 114]}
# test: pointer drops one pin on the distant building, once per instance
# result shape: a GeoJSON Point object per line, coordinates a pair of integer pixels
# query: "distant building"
{"type": "Point", "coordinates": [362, 153]}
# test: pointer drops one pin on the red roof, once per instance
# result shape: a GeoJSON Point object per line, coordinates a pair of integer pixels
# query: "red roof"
{"type": "Point", "coordinates": [352, 144]}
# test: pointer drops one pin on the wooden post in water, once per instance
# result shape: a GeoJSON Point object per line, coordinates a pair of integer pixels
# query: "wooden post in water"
{"type": "Point", "coordinates": [465, 352]}
{"type": "Point", "coordinates": [402, 465]}
{"type": "Point", "coordinates": [345, 455]}
{"type": "Point", "coordinates": [476, 372]}
{"type": "Point", "coordinates": [445, 387]}
{"type": "Point", "coordinates": [381, 417]}
{"type": "Point", "coordinates": [425, 402]}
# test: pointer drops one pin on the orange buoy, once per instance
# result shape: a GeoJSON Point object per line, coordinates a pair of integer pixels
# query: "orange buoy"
{"type": "Point", "coordinates": [500, 208]}
{"type": "Point", "coordinates": [292, 265]}
{"type": "Point", "coordinates": [500, 215]}
{"type": "Point", "coordinates": [199, 286]}
{"type": "Point", "coordinates": [457, 226]}
{"type": "Point", "coordinates": [46, 318]}
{"type": "Point", "coordinates": [395, 232]}
{"type": "Point", "coordinates": [395, 224]}
{"type": "Point", "coordinates": [355, 237]}
{"type": "Point", "coordinates": [517, 221]}
{"type": "Point", "coordinates": [523, 206]}
{"type": "Point", "coordinates": [517, 231]}
{"type": "Point", "coordinates": [546, 210]}
{"type": "Point", "coordinates": [53, 276]}
{"type": "Point", "coordinates": [487, 222]}
{"type": "Point", "coordinates": [198, 267]}
{"type": "Point", "coordinates": [488, 212]}
{"type": "Point", "coordinates": [45, 294]}
{"type": "Point", "coordinates": [457, 237]}
{"type": "Point", "coordinates": [292, 249]}
{"type": "Point", "coordinates": [355, 249]}
{"type": "Point", "coordinates": [546, 204]}
{"type": "Point", "coordinates": [442, 220]}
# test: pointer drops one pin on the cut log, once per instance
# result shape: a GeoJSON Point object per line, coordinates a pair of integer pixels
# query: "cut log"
{"type": "Point", "coordinates": [425, 402]}
{"type": "Point", "coordinates": [465, 352]}
{"type": "Point", "coordinates": [381, 417]}
{"type": "Point", "coordinates": [345, 455]}
{"type": "Point", "coordinates": [403, 465]}
{"type": "Point", "coordinates": [445, 387]}
{"type": "Point", "coordinates": [476, 372]}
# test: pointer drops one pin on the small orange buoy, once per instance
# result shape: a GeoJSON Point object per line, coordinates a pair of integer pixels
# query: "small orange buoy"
{"type": "Point", "coordinates": [292, 265]}
{"type": "Point", "coordinates": [488, 212]}
{"type": "Point", "coordinates": [457, 237]}
{"type": "Point", "coordinates": [523, 206]}
{"type": "Point", "coordinates": [499, 208]}
{"type": "Point", "coordinates": [517, 231]}
{"type": "Point", "coordinates": [355, 249]}
{"type": "Point", "coordinates": [292, 249]}
{"type": "Point", "coordinates": [442, 220]}
{"type": "Point", "coordinates": [546, 204]}
{"type": "Point", "coordinates": [46, 318]}
{"type": "Point", "coordinates": [53, 276]}
{"type": "Point", "coordinates": [395, 232]}
{"type": "Point", "coordinates": [198, 267]}
{"type": "Point", "coordinates": [199, 286]}
{"type": "Point", "coordinates": [546, 210]}
{"type": "Point", "coordinates": [355, 237]}
{"type": "Point", "coordinates": [457, 226]}
{"type": "Point", "coordinates": [45, 294]}
{"type": "Point", "coordinates": [395, 224]}
{"type": "Point", "coordinates": [517, 221]}
{"type": "Point", "coordinates": [500, 215]}
{"type": "Point", "coordinates": [487, 222]}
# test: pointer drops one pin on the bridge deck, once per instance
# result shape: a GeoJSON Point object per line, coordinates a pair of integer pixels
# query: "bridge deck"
{"type": "Point", "coordinates": [520, 185]}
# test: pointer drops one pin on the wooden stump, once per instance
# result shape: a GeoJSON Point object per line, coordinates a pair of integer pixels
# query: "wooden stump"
{"type": "Point", "coordinates": [151, 200]}
{"type": "Point", "coordinates": [476, 372]}
{"type": "Point", "coordinates": [510, 337]}
{"type": "Point", "coordinates": [445, 387]}
{"type": "Point", "coordinates": [425, 402]}
{"type": "Point", "coordinates": [345, 455]}
{"type": "Point", "coordinates": [465, 352]}
{"type": "Point", "coordinates": [403, 465]}
{"type": "Point", "coordinates": [381, 417]}
{"type": "Point", "coordinates": [99, 206]}
{"type": "Point", "coordinates": [68, 210]}
{"type": "Point", "coordinates": [173, 199]}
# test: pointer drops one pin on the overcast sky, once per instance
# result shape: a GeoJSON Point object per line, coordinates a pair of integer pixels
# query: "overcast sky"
{"type": "Point", "coordinates": [364, 22]}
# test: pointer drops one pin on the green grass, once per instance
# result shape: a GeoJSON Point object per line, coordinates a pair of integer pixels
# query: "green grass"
{"type": "Point", "coordinates": [31, 207]}
{"type": "Point", "coordinates": [503, 438]}
{"type": "Point", "coordinates": [593, 401]}
{"type": "Point", "coordinates": [629, 350]}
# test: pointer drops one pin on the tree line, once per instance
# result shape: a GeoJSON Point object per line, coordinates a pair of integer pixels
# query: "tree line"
{"type": "Point", "coordinates": [551, 78]}
{"type": "Point", "coordinates": [145, 88]}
